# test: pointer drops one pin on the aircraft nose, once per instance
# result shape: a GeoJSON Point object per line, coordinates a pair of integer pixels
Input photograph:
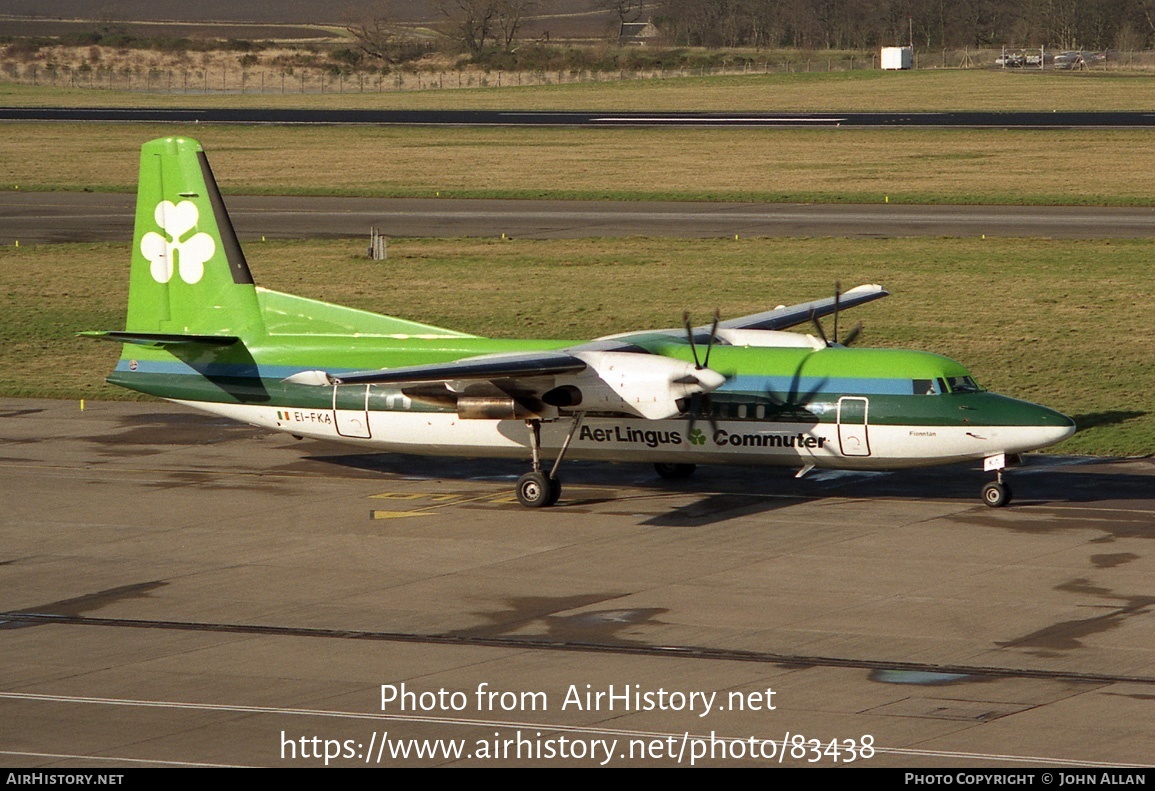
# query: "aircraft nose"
{"type": "Point", "coordinates": [1049, 417]}
{"type": "Point", "coordinates": [1024, 426]}
{"type": "Point", "coordinates": [1052, 426]}
{"type": "Point", "coordinates": [1066, 425]}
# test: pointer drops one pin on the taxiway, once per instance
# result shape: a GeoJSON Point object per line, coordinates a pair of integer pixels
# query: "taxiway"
{"type": "Point", "coordinates": [49, 217]}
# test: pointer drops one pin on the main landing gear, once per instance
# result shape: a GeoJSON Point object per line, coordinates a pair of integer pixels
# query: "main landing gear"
{"type": "Point", "coordinates": [998, 493]}
{"type": "Point", "coordinates": [536, 489]}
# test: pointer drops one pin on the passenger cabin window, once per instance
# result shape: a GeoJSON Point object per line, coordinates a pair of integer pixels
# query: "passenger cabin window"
{"type": "Point", "coordinates": [925, 387]}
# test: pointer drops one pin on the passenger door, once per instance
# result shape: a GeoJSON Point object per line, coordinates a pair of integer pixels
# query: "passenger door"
{"type": "Point", "coordinates": [351, 410]}
{"type": "Point", "coordinates": [853, 436]}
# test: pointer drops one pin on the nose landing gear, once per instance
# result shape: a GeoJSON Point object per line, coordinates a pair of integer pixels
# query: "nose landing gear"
{"type": "Point", "coordinates": [997, 493]}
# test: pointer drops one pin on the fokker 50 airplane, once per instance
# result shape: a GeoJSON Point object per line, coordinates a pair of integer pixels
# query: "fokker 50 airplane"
{"type": "Point", "coordinates": [200, 333]}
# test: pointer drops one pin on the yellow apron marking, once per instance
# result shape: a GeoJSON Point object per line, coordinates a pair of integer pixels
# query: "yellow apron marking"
{"type": "Point", "coordinates": [395, 514]}
{"type": "Point", "coordinates": [438, 501]}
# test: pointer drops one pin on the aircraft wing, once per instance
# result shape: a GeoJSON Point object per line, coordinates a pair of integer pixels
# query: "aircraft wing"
{"type": "Point", "coordinates": [488, 367]}
{"type": "Point", "coordinates": [627, 382]}
{"type": "Point", "coordinates": [782, 317]}
{"type": "Point", "coordinates": [614, 373]}
{"type": "Point", "coordinates": [161, 339]}
{"type": "Point", "coordinates": [779, 318]}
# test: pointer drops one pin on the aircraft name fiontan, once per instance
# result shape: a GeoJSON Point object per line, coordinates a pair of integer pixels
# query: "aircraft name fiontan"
{"type": "Point", "coordinates": [721, 438]}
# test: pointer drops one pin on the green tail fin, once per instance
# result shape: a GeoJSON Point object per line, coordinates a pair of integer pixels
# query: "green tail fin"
{"type": "Point", "coordinates": [189, 275]}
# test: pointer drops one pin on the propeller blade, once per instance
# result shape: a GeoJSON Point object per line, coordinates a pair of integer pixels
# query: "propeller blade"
{"type": "Point", "coordinates": [837, 296]}
{"type": "Point", "coordinates": [713, 337]}
{"type": "Point", "coordinates": [818, 326]}
{"type": "Point", "coordinates": [694, 409]}
{"type": "Point", "coordinates": [852, 336]}
{"type": "Point", "coordinates": [690, 337]}
{"type": "Point", "coordinates": [704, 377]}
{"type": "Point", "coordinates": [700, 407]}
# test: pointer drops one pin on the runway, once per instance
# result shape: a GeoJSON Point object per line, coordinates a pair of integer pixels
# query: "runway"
{"type": "Point", "coordinates": [44, 217]}
{"type": "Point", "coordinates": [177, 589]}
{"type": "Point", "coordinates": [257, 115]}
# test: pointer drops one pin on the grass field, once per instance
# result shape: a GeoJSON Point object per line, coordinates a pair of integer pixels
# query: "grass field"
{"type": "Point", "coordinates": [1029, 317]}
{"type": "Point", "coordinates": [1060, 323]}
{"type": "Point", "coordinates": [1101, 167]}
{"type": "Point", "coordinates": [923, 90]}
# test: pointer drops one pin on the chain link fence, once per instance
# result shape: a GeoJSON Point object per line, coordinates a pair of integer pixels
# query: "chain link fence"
{"type": "Point", "coordinates": [263, 81]}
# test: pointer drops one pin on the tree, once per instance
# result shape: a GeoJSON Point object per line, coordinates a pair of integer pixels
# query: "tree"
{"type": "Point", "coordinates": [625, 10]}
{"type": "Point", "coordinates": [470, 21]}
{"type": "Point", "coordinates": [510, 16]}
{"type": "Point", "coordinates": [380, 37]}
{"type": "Point", "coordinates": [475, 24]}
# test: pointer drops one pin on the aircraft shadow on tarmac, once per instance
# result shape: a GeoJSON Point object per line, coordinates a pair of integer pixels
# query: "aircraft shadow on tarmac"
{"type": "Point", "coordinates": [719, 493]}
{"type": "Point", "coordinates": [555, 617]}
{"type": "Point", "coordinates": [724, 493]}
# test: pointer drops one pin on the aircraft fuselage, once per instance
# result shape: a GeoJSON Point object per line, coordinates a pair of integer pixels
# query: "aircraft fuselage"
{"type": "Point", "coordinates": [833, 407]}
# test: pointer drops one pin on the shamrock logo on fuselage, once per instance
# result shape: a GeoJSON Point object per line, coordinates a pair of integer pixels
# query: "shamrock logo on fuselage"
{"type": "Point", "coordinates": [177, 220]}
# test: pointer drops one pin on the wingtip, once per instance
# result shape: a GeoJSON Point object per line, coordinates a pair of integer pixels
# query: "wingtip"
{"type": "Point", "coordinates": [868, 288]}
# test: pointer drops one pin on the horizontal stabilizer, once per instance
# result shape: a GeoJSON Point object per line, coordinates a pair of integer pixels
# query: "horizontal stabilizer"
{"type": "Point", "coordinates": [288, 314]}
{"type": "Point", "coordinates": [502, 366]}
{"type": "Point", "coordinates": [161, 339]}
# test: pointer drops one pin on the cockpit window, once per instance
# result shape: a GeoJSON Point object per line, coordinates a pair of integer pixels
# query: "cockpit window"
{"type": "Point", "coordinates": [963, 384]}
{"type": "Point", "coordinates": [925, 387]}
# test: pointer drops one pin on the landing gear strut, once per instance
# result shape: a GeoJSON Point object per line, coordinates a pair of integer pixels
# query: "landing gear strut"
{"type": "Point", "coordinates": [536, 489]}
{"type": "Point", "coordinates": [997, 493]}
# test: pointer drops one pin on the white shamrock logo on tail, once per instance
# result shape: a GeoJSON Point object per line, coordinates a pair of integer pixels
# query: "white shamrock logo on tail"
{"type": "Point", "coordinates": [177, 220]}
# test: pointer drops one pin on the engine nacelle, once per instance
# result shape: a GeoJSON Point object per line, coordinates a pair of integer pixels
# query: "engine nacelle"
{"type": "Point", "coordinates": [492, 408]}
{"type": "Point", "coordinates": [641, 384]}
